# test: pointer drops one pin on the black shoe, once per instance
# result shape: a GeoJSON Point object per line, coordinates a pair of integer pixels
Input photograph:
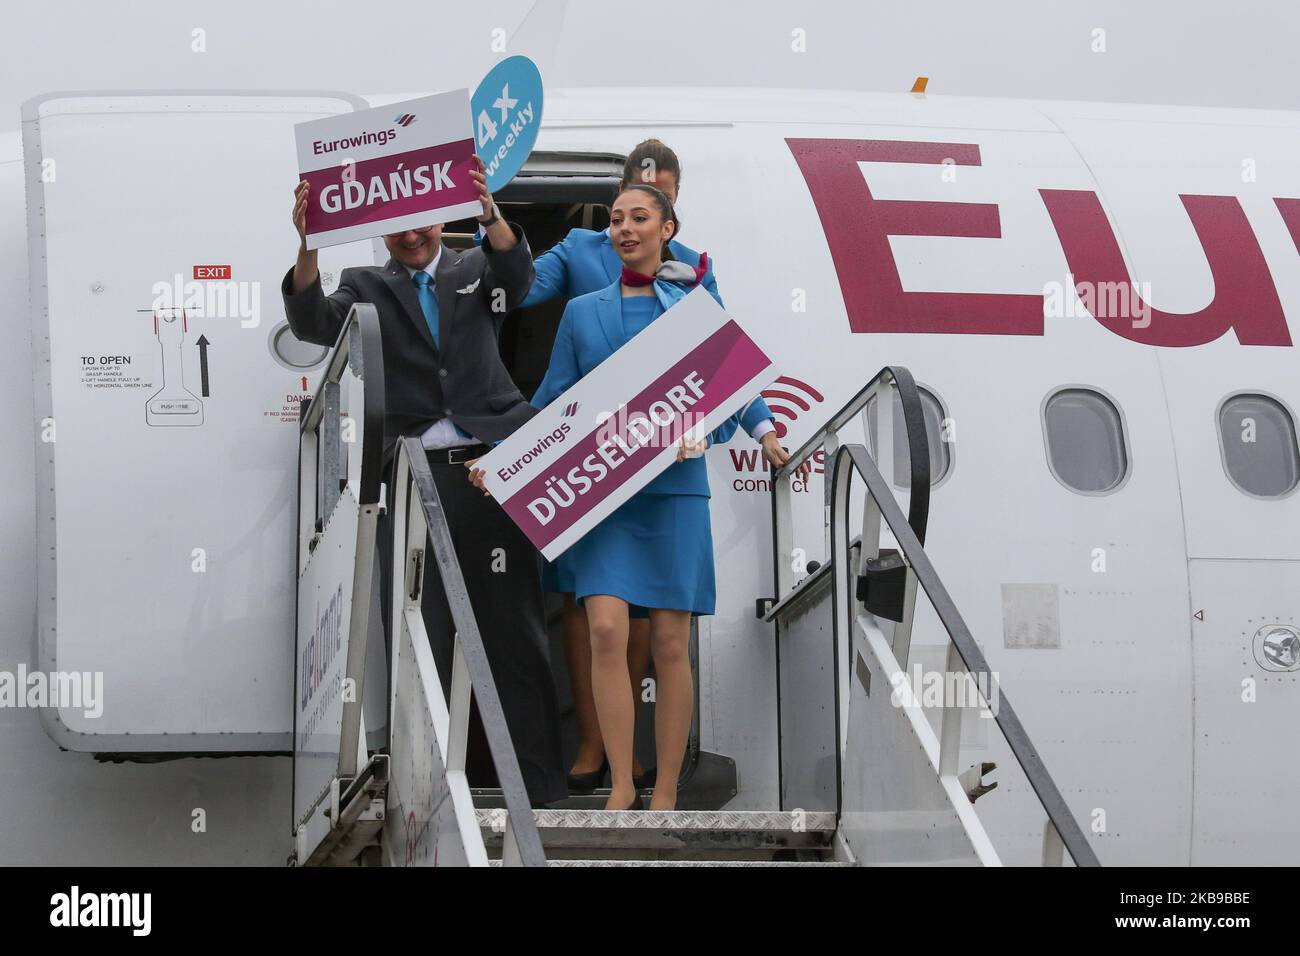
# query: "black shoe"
{"type": "Point", "coordinates": [645, 780]}
{"type": "Point", "coordinates": [587, 782]}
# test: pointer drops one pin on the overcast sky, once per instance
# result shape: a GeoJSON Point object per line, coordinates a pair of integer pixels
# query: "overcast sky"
{"type": "Point", "coordinates": [1196, 52]}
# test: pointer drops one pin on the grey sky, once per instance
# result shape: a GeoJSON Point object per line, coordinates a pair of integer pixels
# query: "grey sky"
{"type": "Point", "coordinates": [1193, 52]}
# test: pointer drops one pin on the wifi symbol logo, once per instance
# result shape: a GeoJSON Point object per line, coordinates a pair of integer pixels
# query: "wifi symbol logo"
{"type": "Point", "coordinates": [783, 401]}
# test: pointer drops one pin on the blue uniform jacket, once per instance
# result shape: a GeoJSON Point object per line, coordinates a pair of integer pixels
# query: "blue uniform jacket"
{"type": "Point", "coordinates": [585, 261]}
{"type": "Point", "coordinates": [591, 330]}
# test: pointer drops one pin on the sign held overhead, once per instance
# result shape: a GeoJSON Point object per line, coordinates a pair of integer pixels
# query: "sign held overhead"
{"type": "Point", "coordinates": [388, 169]}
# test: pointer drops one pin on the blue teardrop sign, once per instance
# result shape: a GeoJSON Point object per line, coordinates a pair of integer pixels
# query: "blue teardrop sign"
{"type": "Point", "coordinates": [507, 113]}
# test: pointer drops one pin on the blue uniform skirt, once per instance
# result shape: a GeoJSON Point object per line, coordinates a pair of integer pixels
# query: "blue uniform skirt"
{"type": "Point", "coordinates": [655, 551]}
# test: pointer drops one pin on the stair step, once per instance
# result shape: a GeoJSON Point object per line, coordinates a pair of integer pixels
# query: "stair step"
{"type": "Point", "coordinates": [592, 863]}
{"type": "Point", "coordinates": [680, 830]}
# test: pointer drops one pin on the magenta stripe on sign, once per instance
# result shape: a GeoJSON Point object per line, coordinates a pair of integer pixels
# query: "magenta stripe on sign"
{"type": "Point", "coordinates": [386, 169]}
{"type": "Point", "coordinates": [725, 361]}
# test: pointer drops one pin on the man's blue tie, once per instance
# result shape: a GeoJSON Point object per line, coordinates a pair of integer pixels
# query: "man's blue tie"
{"type": "Point", "coordinates": [428, 302]}
{"type": "Point", "coordinates": [429, 306]}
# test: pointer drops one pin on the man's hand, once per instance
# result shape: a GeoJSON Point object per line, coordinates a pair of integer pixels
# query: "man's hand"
{"type": "Point", "coordinates": [305, 269]}
{"type": "Point", "coordinates": [777, 456]}
{"type": "Point", "coordinates": [500, 234]}
{"type": "Point", "coordinates": [300, 197]}
{"type": "Point", "coordinates": [476, 477]}
{"type": "Point", "coordinates": [478, 174]}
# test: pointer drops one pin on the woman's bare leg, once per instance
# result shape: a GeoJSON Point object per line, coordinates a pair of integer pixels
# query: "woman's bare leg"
{"type": "Point", "coordinates": [638, 667]}
{"type": "Point", "coordinates": [670, 636]}
{"type": "Point", "coordinates": [607, 621]}
{"type": "Point", "coordinates": [577, 651]}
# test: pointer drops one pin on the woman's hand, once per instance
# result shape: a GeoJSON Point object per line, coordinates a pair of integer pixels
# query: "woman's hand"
{"type": "Point", "coordinates": [777, 456]}
{"type": "Point", "coordinates": [476, 477]}
{"type": "Point", "coordinates": [689, 448]}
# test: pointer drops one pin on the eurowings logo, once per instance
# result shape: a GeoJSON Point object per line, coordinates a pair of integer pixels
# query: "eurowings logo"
{"type": "Point", "coordinates": [858, 227]}
{"type": "Point", "coordinates": [783, 401]}
{"type": "Point", "coordinates": [406, 119]}
{"type": "Point", "coordinates": [570, 410]}
{"type": "Point", "coordinates": [543, 443]}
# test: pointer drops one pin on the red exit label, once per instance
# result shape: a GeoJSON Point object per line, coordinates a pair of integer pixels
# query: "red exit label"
{"type": "Point", "coordinates": [212, 272]}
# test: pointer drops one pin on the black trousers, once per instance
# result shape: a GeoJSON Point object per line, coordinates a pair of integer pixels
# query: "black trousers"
{"type": "Point", "coordinates": [502, 572]}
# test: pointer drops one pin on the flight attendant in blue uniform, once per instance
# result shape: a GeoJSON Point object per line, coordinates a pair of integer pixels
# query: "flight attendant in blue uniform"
{"type": "Point", "coordinates": [654, 554]}
{"type": "Point", "coordinates": [586, 261]}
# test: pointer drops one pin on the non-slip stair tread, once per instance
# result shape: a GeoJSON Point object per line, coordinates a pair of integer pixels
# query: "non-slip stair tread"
{"type": "Point", "coordinates": [613, 833]}
{"type": "Point", "coordinates": [659, 820]}
{"type": "Point", "coordinates": [690, 863]}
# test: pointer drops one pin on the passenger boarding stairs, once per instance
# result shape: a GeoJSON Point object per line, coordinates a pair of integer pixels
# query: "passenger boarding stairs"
{"type": "Point", "coordinates": [675, 837]}
{"type": "Point", "coordinates": [867, 775]}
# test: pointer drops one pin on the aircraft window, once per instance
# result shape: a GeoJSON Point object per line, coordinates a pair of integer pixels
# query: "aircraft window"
{"type": "Point", "coordinates": [1085, 441]}
{"type": "Point", "coordinates": [935, 433]}
{"type": "Point", "coordinates": [1258, 440]}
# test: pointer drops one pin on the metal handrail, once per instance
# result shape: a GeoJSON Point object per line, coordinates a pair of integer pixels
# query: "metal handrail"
{"type": "Point", "coordinates": [359, 346]}
{"type": "Point", "coordinates": [909, 532]}
{"type": "Point", "coordinates": [918, 509]}
{"type": "Point", "coordinates": [471, 672]}
{"type": "Point", "coordinates": [917, 446]}
{"type": "Point", "coordinates": [358, 349]}
{"type": "Point", "coordinates": [855, 458]}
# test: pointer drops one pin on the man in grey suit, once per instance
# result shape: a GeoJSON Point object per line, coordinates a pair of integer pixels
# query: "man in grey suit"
{"type": "Point", "coordinates": [440, 312]}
